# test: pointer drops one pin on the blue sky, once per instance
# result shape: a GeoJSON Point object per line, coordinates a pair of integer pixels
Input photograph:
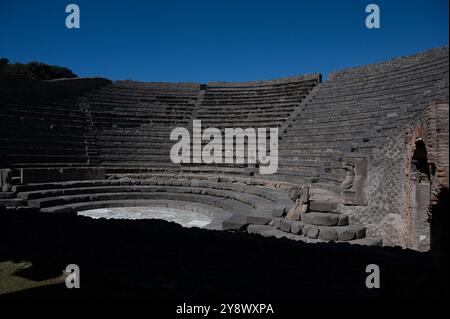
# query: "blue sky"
{"type": "Point", "coordinates": [227, 40]}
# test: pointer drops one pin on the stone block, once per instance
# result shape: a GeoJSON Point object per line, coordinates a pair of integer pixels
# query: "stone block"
{"type": "Point", "coordinates": [351, 232]}
{"type": "Point", "coordinates": [42, 175]}
{"type": "Point", "coordinates": [311, 231]}
{"type": "Point", "coordinates": [367, 242]}
{"type": "Point", "coordinates": [258, 229]}
{"type": "Point", "coordinates": [235, 222]}
{"type": "Point", "coordinates": [294, 215]}
{"type": "Point", "coordinates": [304, 208]}
{"type": "Point", "coordinates": [328, 233]}
{"type": "Point", "coordinates": [259, 220]}
{"type": "Point", "coordinates": [324, 206]}
{"type": "Point", "coordinates": [277, 222]}
{"type": "Point", "coordinates": [278, 212]}
{"type": "Point", "coordinates": [321, 219]}
{"type": "Point", "coordinates": [285, 225]}
{"type": "Point", "coordinates": [343, 220]}
{"type": "Point", "coordinates": [297, 227]}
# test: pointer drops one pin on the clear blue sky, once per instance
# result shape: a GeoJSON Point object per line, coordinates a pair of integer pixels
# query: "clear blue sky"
{"type": "Point", "coordinates": [228, 40]}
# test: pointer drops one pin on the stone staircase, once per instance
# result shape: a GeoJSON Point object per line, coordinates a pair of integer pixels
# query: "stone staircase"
{"type": "Point", "coordinates": [323, 221]}
{"type": "Point", "coordinates": [89, 133]}
{"type": "Point", "coordinates": [9, 199]}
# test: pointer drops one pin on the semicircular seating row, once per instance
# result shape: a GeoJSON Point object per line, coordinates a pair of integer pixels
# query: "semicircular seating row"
{"type": "Point", "coordinates": [356, 111]}
{"type": "Point", "coordinates": [132, 121]}
{"type": "Point", "coordinates": [244, 203]}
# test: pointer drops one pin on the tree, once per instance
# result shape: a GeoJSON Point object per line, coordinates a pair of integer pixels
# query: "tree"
{"type": "Point", "coordinates": [36, 70]}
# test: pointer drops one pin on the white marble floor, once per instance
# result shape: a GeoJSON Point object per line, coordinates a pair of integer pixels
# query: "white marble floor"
{"type": "Point", "coordinates": [182, 217]}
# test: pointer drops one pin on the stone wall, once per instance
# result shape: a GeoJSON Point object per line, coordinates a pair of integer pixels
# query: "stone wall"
{"type": "Point", "coordinates": [361, 113]}
{"type": "Point", "coordinates": [426, 172]}
{"type": "Point", "coordinates": [384, 189]}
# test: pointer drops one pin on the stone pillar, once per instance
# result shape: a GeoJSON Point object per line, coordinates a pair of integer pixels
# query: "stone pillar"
{"type": "Point", "coordinates": [300, 197]}
{"type": "Point", "coordinates": [421, 225]}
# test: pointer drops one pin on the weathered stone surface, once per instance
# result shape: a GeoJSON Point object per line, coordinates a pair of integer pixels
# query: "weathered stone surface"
{"type": "Point", "coordinates": [236, 222]}
{"type": "Point", "coordinates": [295, 193]}
{"type": "Point", "coordinates": [392, 230]}
{"type": "Point", "coordinates": [285, 225]}
{"type": "Point", "coordinates": [343, 220]}
{"type": "Point", "coordinates": [366, 242]}
{"type": "Point", "coordinates": [345, 234]}
{"type": "Point", "coordinates": [350, 232]}
{"type": "Point", "coordinates": [328, 233]}
{"type": "Point", "coordinates": [311, 231]}
{"type": "Point", "coordinates": [258, 229]}
{"type": "Point", "coordinates": [6, 195]}
{"type": "Point", "coordinates": [304, 196]}
{"type": "Point", "coordinates": [12, 202]}
{"type": "Point", "coordinates": [305, 208]}
{"type": "Point", "coordinates": [297, 227]}
{"type": "Point", "coordinates": [278, 211]}
{"type": "Point", "coordinates": [353, 186]}
{"type": "Point", "coordinates": [260, 220]}
{"type": "Point", "coordinates": [294, 214]}
{"type": "Point", "coordinates": [277, 222]}
{"type": "Point", "coordinates": [324, 206]}
{"type": "Point", "coordinates": [300, 196]}
{"type": "Point", "coordinates": [321, 219]}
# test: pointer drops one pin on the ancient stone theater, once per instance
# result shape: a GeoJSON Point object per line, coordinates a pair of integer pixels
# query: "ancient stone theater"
{"type": "Point", "coordinates": [362, 156]}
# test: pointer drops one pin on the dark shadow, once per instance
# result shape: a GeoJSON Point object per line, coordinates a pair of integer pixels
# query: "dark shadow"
{"type": "Point", "coordinates": [439, 223]}
{"type": "Point", "coordinates": [155, 259]}
{"type": "Point", "coordinates": [420, 158]}
{"type": "Point", "coordinates": [38, 272]}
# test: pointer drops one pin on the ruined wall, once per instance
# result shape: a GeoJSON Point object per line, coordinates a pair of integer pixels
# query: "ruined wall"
{"type": "Point", "coordinates": [359, 114]}
{"type": "Point", "coordinates": [426, 172]}
{"type": "Point", "coordinates": [384, 191]}
{"type": "Point", "coordinates": [407, 176]}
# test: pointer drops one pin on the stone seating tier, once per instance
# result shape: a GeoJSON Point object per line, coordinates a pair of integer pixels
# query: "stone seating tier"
{"type": "Point", "coordinates": [245, 203]}
{"type": "Point", "coordinates": [128, 123]}
{"type": "Point", "coordinates": [358, 110]}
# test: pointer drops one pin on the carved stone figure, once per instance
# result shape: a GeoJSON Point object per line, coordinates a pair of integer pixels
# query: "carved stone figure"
{"type": "Point", "coordinates": [300, 197]}
{"type": "Point", "coordinates": [353, 186]}
{"type": "Point", "coordinates": [349, 181]}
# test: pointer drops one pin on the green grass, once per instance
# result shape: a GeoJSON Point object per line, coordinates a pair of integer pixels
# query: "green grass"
{"type": "Point", "coordinates": [11, 281]}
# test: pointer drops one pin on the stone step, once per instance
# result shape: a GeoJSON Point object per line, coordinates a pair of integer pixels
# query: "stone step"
{"type": "Point", "coordinates": [324, 219]}
{"type": "Point", "coordinates": [257, 229]}
{"type": "Point", "coordinates": [315, 235]}
{"type": "Point", "coordinates": [261, 205]}
{"type": "Point", "coordinates": [328, 205]}
{"type": "Point", "coordinates": [368, 241]}
{"type": "Point", "coordinates": [7, 195]}
{"type": "Point", "coordinates": [290, 226]}
{"type": "Point", "coordinates": [325, 233]}
{"type": "Point", "coordinates": [235, 222]}
{"type": "Point", "coordinates": [342, 233]}
{"type": "Point", "coordinates": [12, 202]}
{"type": "Point", "coordinates": [270, 231]}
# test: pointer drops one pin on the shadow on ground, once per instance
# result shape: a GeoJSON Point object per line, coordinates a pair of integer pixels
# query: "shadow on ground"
{"type": "Point", "coordinates": [161, 260]}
